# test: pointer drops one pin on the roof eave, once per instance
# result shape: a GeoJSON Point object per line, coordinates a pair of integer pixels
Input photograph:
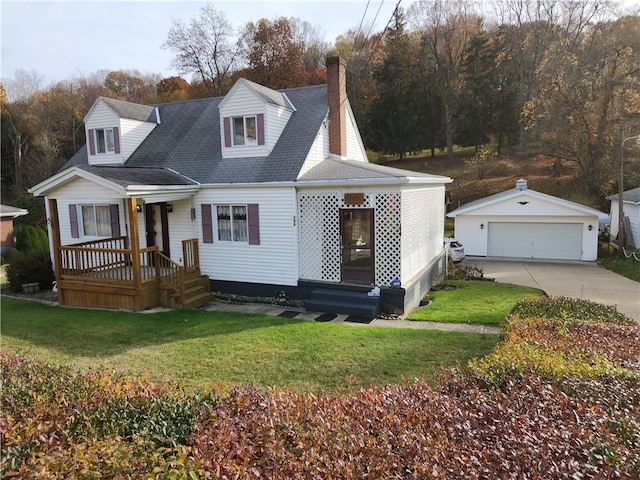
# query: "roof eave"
{"type": "Point", "coordinates": [68, 175]}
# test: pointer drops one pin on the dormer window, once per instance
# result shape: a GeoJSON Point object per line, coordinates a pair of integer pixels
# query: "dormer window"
{"type": "Point", "coordinates": [245, 131]}
{"type": "Point", "coordinates": [105, 140]}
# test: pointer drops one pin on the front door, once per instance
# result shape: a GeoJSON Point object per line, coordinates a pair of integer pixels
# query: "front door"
{"type": "Point", "coordinates": [157, 226]}
{"type": "Point", "coordinates": [357, 234]}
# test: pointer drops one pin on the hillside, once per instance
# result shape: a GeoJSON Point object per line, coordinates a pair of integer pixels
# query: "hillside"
{"type": "Point", "coordinates": [473, 179]}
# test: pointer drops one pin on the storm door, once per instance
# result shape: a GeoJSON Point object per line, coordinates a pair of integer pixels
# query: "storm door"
{"type": "Point", "coordinates": [357, 235]}
{"type": "Point", "coordinates": [157, 226]}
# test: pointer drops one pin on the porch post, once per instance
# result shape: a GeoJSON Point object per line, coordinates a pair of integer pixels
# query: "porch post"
{"type": "Point", "coordinates": [55, 236]}
{"type": "Point", "coordinates": [134, 238]}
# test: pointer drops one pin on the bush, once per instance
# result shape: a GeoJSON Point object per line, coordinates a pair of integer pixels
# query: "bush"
{"type": "Point", "coordinates": [11, 254]}
{"type": "Point", "coordinates": [30, 267]}
{"type": "Point", "coordinates": [569, 407]}
{"type": "Point", "coordinates": [30, 238]}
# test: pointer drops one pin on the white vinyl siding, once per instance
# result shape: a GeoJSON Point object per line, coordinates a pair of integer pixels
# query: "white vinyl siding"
{"type": "Point", "coordinates": [242, 102]}
{"type": "Point", "coordinates": [556, 241]}
{"type": "Point", "coordinates": [422, 228]}
{"type": "Point", "coordinates": [632, 211]}
{"type": "Point", "coordinates": [132, 134]}
{"type": "Point", "coordinates": [102, 117]}
{"type": "Point", "coordinates": [274, 261]}
{"type": "Point", "coordinates": [318, 152]}
{"type": "Point", "coordinates": [181, 227]}
{"type": "Point", "coordinates": [82, 192]}
{"type": "Point", "coordinates": [355, 147]}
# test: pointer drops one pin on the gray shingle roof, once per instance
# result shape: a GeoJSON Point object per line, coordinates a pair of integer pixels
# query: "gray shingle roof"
{"type": "Point", "coordinates": [271, 96]}
{"type": "Point", "coordinates": [139, 176]}
{"type": "Point", "coordinates": [134, 111]}
{"type": "Point", "coordinates": [188, 141]}
{"type": "Point", "coordinates": [335, 169]}
{"type": "Point", "coordinates": [632, 196]}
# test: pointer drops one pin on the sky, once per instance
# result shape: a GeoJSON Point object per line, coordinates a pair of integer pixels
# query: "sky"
{"type": "Point", "coordinates": [62, 40]}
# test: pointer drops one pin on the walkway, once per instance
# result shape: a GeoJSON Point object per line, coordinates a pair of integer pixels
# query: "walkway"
{"type": "Point", "coordinates": [347, 320]}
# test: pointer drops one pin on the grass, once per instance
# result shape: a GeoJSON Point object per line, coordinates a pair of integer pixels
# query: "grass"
{"type": "Point", "coordinates": [201, 348]}
{"type": "Point", "coordinates": [627, 267]}
{"type": "Point", "coordinates": [476, 302]}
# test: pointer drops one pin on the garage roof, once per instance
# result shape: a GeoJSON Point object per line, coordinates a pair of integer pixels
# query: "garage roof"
{"type": "Point", "coordinates": [522, 192]}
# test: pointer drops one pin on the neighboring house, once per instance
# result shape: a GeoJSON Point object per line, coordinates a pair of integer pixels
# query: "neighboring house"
{"type": "Point", "coordinates": [523, 223]}
{"type": "Point", "coordinates": [631, 212]}
{"type": "Point", "coordinates": [7, 214]}
{"type": "Point", "coordinates": [268, 193]}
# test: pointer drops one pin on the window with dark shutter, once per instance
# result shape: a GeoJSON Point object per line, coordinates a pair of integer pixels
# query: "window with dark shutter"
{"type": "Point", "coordinates": [92, 142]}
{"type": "Point", "coordinates": [227, 131]}
{"type": "Point", "coordinates": [261, 129]}
{"type": "Point", "coordinates": [207, 223]}
{"type": "Point", "coordinates": [116, 139]}
{"type": "Point", "coordinates": [254, 224]}
{"type": "Point", "coordinates": [115, 220]}
{"type": "Point", "coordinates": [73, 221]}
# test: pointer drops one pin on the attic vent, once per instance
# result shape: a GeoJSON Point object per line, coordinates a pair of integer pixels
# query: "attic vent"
{"type": "Point", "coordinates": [521, 184]}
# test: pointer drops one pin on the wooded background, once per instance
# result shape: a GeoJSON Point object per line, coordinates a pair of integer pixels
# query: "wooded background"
{"type": "Point", "coordinates": [527, 78]}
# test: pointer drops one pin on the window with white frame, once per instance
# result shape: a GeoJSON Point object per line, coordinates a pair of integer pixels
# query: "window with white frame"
{"type": "Point", "coordinates": [232, 223]}
{"type": "Point", "coordinates": [245, 131]}
{"type": "Point", "coordinates": [96, 220]}
{"type": "Point", "coordinates": [105, 141]}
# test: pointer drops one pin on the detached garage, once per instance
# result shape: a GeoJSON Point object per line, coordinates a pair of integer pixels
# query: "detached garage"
{"type": "Point", "coordinates": [523, 223]}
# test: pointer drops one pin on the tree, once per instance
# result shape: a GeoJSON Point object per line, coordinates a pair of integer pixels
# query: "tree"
{"type": "Point", "coordinates": [587, 85]}
{"type": "Point", "coordinates": [275, 57]}
{"type": "Point", "coordinates": [448, 29]}
{"type": "Point", "coordinates": [362, 55]}
{"type": "Point", "coordinates": [131, 86]}
{"type": "Point", "coordinates": [206, 47]}
{"type": "Point", "coordinates": [395, 115]}
{"type": "Point", "coordinates": [172, 89]}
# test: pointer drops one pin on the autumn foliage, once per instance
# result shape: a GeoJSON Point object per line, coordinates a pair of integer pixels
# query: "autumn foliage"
{"type": "Point", "coordinates": [568, 407]}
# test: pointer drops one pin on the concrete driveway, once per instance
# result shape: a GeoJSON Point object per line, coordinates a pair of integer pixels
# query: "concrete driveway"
{"type": "Point", "coordinates": [573, 279]}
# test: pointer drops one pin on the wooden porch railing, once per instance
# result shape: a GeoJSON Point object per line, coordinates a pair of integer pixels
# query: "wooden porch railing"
{"type": "Point", "coordinates": [95, 257]}
{"type": "Point", "coordinates": [191, 254]}
{"type": "Point", "coordinates": [111, 261]}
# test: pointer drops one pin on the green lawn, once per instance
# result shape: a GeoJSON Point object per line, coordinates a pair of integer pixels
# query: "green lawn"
{"type": "Point", "coordinates": [202, 348]}
{"type": "Point", "coordinates": [485, 303]}
{"type": "Point", "coordinates": [627, 267]}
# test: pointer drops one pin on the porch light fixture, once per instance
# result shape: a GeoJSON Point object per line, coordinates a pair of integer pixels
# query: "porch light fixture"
{"type": "Point", "coordinates": [138, 207]}
{"type": "Point", "coordinates": [482, 226]}
{"type": "Point", "coordinates": [169, 208]}
{"type": "Point", "coordinates": [590, 227]}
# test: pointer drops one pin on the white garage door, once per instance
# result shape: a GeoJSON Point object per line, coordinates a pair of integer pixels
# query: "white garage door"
{"type": "Point", "coordinates": [558, 241]}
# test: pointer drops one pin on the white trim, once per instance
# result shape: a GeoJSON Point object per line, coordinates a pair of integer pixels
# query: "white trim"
{"type": "Point", "coordinates": [69, 175]}
{"type": "Point", "coordinates": [499, 198]}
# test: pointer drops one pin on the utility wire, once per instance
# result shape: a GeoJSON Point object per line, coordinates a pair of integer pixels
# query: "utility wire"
{"type": "Point", "coordinates": [361, 22]}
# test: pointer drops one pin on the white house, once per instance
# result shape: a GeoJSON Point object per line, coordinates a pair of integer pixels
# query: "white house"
{"type": "Point", "coordinates": [264, 192]}
{"type": "Point", "coordinates": [631, 212]}
{"type": "Point", "coordinates": [523, 223]}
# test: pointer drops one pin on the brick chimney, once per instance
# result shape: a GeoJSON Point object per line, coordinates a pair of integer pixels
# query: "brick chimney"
{"type": "Point", "coordinates": [337, 98]}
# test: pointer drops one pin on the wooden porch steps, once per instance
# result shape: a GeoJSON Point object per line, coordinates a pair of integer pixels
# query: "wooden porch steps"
{"type": "Point", "coordinates": [197, 292]}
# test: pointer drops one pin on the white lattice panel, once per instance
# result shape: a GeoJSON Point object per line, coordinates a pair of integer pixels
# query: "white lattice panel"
{"type": "Point", "coordinates": [388, 235]}
{"type": "Point", "coordinates": [319, 233]}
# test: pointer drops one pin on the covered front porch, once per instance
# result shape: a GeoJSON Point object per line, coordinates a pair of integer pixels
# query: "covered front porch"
{"type": "Point", "coordinates": [117, 273]}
